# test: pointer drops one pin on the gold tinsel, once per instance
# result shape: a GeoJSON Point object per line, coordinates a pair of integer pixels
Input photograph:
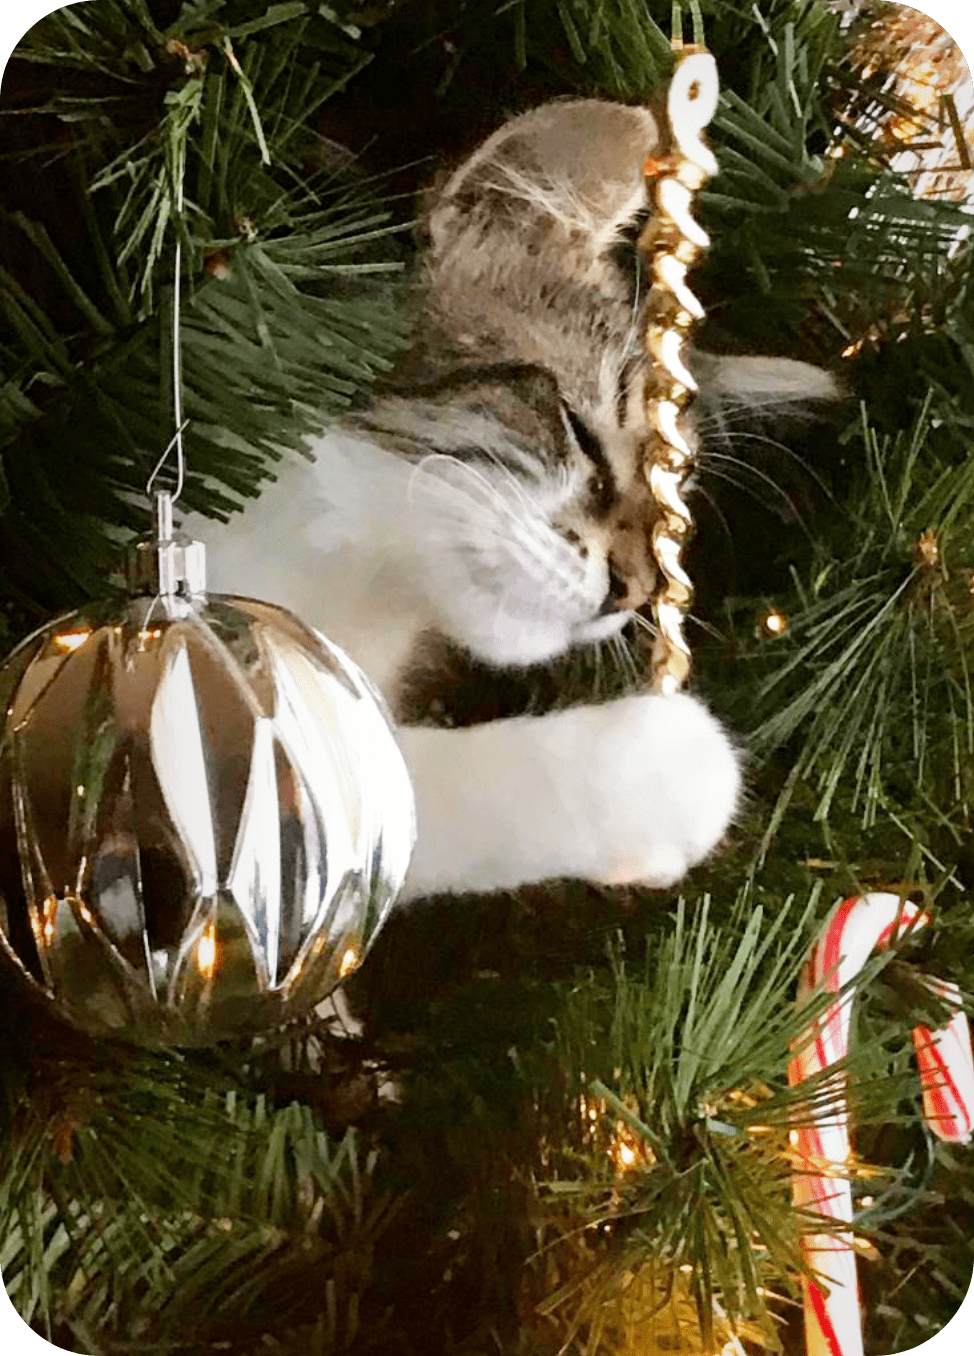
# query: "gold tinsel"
{"type": "Point", "coordinates": [910, 57]}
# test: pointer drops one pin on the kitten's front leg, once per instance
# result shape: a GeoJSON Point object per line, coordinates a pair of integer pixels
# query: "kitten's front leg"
{"type": "Point", "coordinates": [635, 790]}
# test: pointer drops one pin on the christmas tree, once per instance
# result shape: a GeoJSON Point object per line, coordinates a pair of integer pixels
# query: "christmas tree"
{"type": "Point", "coordinates": [557, 1120]}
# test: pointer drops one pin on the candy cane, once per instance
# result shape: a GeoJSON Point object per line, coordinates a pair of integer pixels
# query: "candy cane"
{"type": "Point", "coordinates": [856, 928]}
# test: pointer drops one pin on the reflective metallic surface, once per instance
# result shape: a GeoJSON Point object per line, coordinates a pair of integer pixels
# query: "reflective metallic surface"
{"type": "Point", "coordinates": [204, 817]}
{"type": "Point", "coordinates": [671, 242]}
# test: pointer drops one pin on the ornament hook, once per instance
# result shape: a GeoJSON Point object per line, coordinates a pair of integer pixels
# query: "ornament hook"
{"type": "Point", "coordinates": [168, 565]}
{"type": "Point", "coordinates": [165, 499]}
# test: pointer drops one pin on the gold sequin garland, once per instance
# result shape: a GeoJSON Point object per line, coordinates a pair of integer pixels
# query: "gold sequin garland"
{"type": "Point", "coordinates": [672, 242]}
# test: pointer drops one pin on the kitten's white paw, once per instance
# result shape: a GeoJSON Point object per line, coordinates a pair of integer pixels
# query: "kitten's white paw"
{"type": "Point", "coordinates": [634, 791]}
{"type": "Point", "coordinates": [661, 785]}
{"type": "Point", "coordinates": [657, 868]}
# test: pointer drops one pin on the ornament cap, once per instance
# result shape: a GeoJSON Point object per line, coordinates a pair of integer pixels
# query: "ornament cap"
{"type": "Point", "coordinates": [166, 563]}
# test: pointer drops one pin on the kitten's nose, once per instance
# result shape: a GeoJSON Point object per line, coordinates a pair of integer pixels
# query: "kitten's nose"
{"type": "Point", "coordinates": [617, 597]}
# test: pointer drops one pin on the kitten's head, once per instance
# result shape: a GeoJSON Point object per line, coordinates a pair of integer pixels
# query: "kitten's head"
{"type": "Point", "coordinates": [522, 404]}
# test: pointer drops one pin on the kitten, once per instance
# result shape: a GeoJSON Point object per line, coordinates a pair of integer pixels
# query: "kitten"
{"type": "Point", "coordinates": [494, 496]}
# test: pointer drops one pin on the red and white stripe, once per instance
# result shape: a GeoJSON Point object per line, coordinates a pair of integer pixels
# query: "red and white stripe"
{"type": "Point", "coordinates": [857, 927]}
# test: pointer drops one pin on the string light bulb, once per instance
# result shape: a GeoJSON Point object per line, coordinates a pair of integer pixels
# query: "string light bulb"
{"type": "Point", "coordinates": [772, 623]}
{"type": "Point", "coordinates": [926, 550]}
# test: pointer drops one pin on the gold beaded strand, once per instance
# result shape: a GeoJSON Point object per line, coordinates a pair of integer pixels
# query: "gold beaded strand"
{"type": "Point", "coordinates": [672, 242]}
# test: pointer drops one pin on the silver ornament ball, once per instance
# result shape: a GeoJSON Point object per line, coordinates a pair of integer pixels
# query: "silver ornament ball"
{"type": "Point", "coordinates": [204, 814]}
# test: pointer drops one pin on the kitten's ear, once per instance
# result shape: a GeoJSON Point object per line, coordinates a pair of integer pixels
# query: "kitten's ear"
{"type": "Point", "coordinates": [761, 386]}
{"type": "Point", "coordinates": [578, 163]}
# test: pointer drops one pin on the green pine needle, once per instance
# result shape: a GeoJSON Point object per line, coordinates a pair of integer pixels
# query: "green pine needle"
{"type": "Point", "coordinates": [683, 1069]}
{"type": "Point", "coordinates": [875, 674]}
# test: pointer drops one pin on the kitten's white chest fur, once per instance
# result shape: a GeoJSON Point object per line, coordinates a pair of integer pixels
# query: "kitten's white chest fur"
{"type": "Point", "coordinates": [331, 542]}
{"type": "Point", "coordinates": [634, 790]}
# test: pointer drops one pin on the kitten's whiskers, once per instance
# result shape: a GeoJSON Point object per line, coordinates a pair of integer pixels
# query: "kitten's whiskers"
{"type": "Point", "coordinates": [525, 539]}
{"type": "Point", "coordinates": [743, 485]}
{"type": "Point", "coordinates": [730, 437]}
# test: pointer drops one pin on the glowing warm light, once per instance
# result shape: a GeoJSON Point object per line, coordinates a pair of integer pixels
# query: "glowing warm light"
{"type": "Point", "coordinates": [71, 640]}
{"type": "Point", "coordinates": [349, 962]}
{"type": "Point", "coordinates": [49, 908]}
{"type": "Point", "coordinates": [625, 1155]}
{"type": "Point", "coordinates": [775, 623]}
{"type": "Point", "coordinates": [80, 790]}
{"type": "Point", "coordinates": [206, 952]}
{"type": "Point", "coordinates": [928, 549]}
{"type": "Point", "coordinates": [627, 1151]}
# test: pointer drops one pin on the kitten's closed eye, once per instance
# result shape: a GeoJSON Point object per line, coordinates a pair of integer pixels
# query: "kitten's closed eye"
{"type": "Point", "coordinates": [601, 483]}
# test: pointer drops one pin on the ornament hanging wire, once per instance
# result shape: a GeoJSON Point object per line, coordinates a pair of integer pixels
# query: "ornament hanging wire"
{"type": "Point", "coordinates": [170, 564]}
{"type": "Point", "coordinates": [165, 499]}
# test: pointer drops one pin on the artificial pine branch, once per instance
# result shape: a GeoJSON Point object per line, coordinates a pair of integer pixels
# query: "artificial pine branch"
{"type": "Point", "coordinates": [880, 645]}
{"type": "Point", "coordinates": [83, 382]}
{"type": "Point", "coordinates": [285, 322]}
{"type": "Point", "coordinates": [138, 1199]}
{"type": "Point", "coordinates": [668, 1144]}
